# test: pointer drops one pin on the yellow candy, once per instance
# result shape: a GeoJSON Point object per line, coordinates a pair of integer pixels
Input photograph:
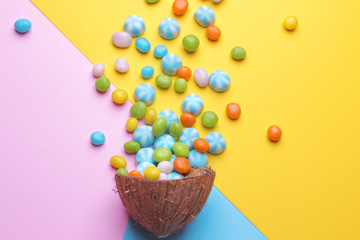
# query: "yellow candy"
{"type": "Point", "coordinates": [290, 23]}
{"type": "Point", "coordinates": [150, 116]}
{"type": "Point", "coordinates": [119, 96]}
{"type": "Point", "coordinates": [131, 124]}
{"type": "Point", "coordinates": [118, 162]}
{"type": "Point", "coordinates": [152, 172]}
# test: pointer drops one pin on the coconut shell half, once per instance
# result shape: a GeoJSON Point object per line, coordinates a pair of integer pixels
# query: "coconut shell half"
{"type": "Point", "coordinates": [165, 207]}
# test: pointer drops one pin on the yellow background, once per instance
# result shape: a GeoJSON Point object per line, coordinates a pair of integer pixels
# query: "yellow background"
{"type": "Point", "coordinates": [306, 81]}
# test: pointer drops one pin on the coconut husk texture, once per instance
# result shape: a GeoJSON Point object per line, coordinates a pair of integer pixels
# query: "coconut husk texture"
{"type": "Point", "coordinates": [165, 207]}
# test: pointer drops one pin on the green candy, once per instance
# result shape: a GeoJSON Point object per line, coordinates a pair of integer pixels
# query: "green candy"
{"type": "Point", "coordinates": [162, 154]}
{"type": "Point", "coordinates": [180, 85]}
{"type": "Point", "coordinates": [238, 53]}
{"type": "Point", "coordinates": [191, 43]}
{"type": "Point", "coordinates": [175, 129]}
{"type": "Point", "coordinates": [102, 84]}
{"type": "Point", "coordinates": [209, 119]}
{"type": "Point", "coordinates": [122, 171]}
{"type": "Point", "coordinates": [131, 147]}
{"type": "Point", "coordinates": [151, 1]}
{"type": "Point", "coordinates": [180, 149]}
{"type": "Point", "coordinates": [163, 81]}
{"type": "Point", "coordinates": [159, 127]}
{"type": "Point", "coordinates": [138, 110]}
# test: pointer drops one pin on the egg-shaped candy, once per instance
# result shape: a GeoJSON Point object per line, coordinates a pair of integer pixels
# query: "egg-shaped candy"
{"type": "Point", "coordinates": [170, 117]}
{"type": "Point", "coordinates": [121, 39]}
{"type": "Point", "coordinates": [145, 92]}
{"type": "Point", "coordinates": [169, 28]}
{"type": "Point", "coordinates": [163, 177]}
{"type": "Point", "coordinates": [217, 143]}
{"type": "Point", "coordinates": [165, 167]}
{"type": "Point", "coordinates": [98, 69]}
{"type": "Point", "coordinates": [121, 65]}
{"type": "Point", "coordinates": [193, 104]}
{"type": "Point", "coordinates": [147, 72]}
{"type": "Point", "coordinates": [201, 77]}
{"type": "Point", "coordinates": [144, 136]}
{"type": "Point", "coordinates": [175, 176]}
{"type": "Point", "coordinates": [22, 25]}
{"type": "Point", "coordinates": [160, 51]}
{"type": "Point", "coordinates": [219, 81]}
{"type": "Point", "coordinates": [204, 16]}
{"type": "Point", "coordinates": [134, 25]}
{"type": "Point", "coordinates": [142, 45]}
{"type": "Point", "coordinates": [142, 166]}
{"type": "Point", "coordinates": [170, 64]}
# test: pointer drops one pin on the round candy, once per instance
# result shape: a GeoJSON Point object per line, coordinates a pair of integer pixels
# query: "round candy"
{"type": "Point", "coordinates": [135, 173]}
{"type": "Point", "coordinates": [217, 1]}
{"type": "Point", "coordinates": [180, 85]}
{"type": "Point", "coordinates": [180, 149]}
{"type": "Point", "coordinates": [233, 111]}
{"type": "Point", "coordinates": [152, 173]}
{"type": "Point", "coordinates": [201, 145]}
{"type": "Point", "coordinates": [131, 124]}
{"type": "Point", "coordinates": [175, 129]}
{"type": "Point", "coordinates": [188, 137]}
{"type": "Point", "coordinates": [193, 104]}
{"type": "Point", "coordinates": [219, 81]}
{"type": "Point", "coordinates": [165, 167]}
{"type": "Point", "coordinates": [165, 141]}
{"type": "Point", "coordinates": [118, 161]}
{"type": "Point", "coordinates": [150, 116]}
{"type": "Point", "coordinates": [97, 138]}
{"type": "Point", "coordinates": [122, 171]}
{"type": "Point", "coordinates": [134, 25]}
{"type": "Point", "coordinates": [160, 51]}
{"type": "Point", "coordinates": [217, 143]}
{"type": "Point", "coordinates": [163, 81]}
{"type": "Point", "coordinates": [198, 159]}
{"type": "Point", "coordinates": [121, 39]}
{"type": "Point", "coordinates": [170, 117]}
{"type": "Point", "coordinates": [169, 28]}
{"type": "Point", "coordinates": [213, 33]}
{"type": "Point", "coordinates": [142, 166]}
{"type": "Point", "coordinates": [143, 45]}
{"type": "Point", "coordinates": [290, 23]}
{"type": "Point", "coordinates": [138, 110]}
{"type": "Point", "coordinates": [22, 25]}
{"type": "Point", "coordinates": [151, 1]}
{"type": "Point", "coordinates": [162, 154]}
{"type": "Point", "coordinates": [145, 92]}
{"type": "Point", "coordinates": [187, 119]}
{"type": "Point", "coordinates": [102, 84]}
{"type": "Point", "coordinates": [147, 72]}
{"type": "Point", "coordinates": [159, 127]}
{"type": "Point", "coordinates": [204, 16]}
{"type": "Point", "coordinates": [144, 136]}
{"type": "Point", "coordinates": [144, 155]}
{"type": "Point", "coordinates": [274, 133]}
{"type": "Point", "coordinates": [175, 176]}
{"type": "Point", "coordinates": [98, 69]}
{"type": "Point", "coordinates": [179, 7]}
{"type": "Point", "coordinates": [163, 177]}
{"type": "Point", "coordinates": [131, 147]}
{"type": "Point", "coordinates": [238, 53]}
{"type": "Point", "coordinates": [201, 77]}
{"type": "Point", "coordinates": [190, 43]}
{"type": "Point", "coordinates": [119, 96]}
{"type": "Point", "coordinates": [182, 165]}
{"type": "Point", "coordinates": [209, 119]}
{"type": "Point", "coordinates": [184, 72]}
{"type": "Point", "coordinates": [121, 65]}
{"type": "Point", "coordinates": [170, 64]}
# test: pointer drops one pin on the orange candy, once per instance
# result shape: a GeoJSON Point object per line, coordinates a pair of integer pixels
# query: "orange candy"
{"type": "Point", "coordinates": [135, 173]}
{"type": "Point", "coordinates": [184, 72]}
{"type": "Point", "coordinates": [213, 33]}
{"type": "Point", "coordinates": [233, 111]}
{"type": "Point", "coordinates": [182, 165]}
{"type": "Point", "coordinates": [179, 7]}
{"type": "Point", "coordinates": [187, 119]}
{"type": "Point", "coordinates": [274, 133]}
{"type": "Point", "coordinates": [201, 145]}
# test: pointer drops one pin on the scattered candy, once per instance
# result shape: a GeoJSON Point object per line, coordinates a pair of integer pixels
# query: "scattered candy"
{"type": "Point", "coordinates": [217, 143]}
{"type": "Point", "coordinates": [184, 72]}
{"type": "Point", "coordinates": [135, 173]}
{"type": "Point", "coordinates": [180, 85]}
{"type": "Point", "coordinates": [175, 175]}
{"type": "Point", "coordinates": [188, 137]}
{"type": "Point", "coordinates": [175, 129]}
{"type": "Point", "coordinates": [170, 64]}
{"type": "Point", "coordinates": [147, 72]}
{"type": "Point", "coordinates": [182, 165]}
{"type": "Point", "coordinates": [150, 116]}
{"type": "Point", "coordinates": [190, 43]}
{"type": "Point", "coordinates": [121, 65]}
{"type": "Point", "coordinates": [193, 104]}
{"type": "Point", "coordinates": [143, 45]}
{"type": "Point", "coordinates": [22, 25]}
{"type": "Point", "coordinates": [201, 145]}
{"type": "Point", "coordinates": [209, 119]}
{"type": "Point", "coordinates": [144, 155]}
{"type": "Point", "coordinates": [204, 16]}
{"type": "Point", "coordinates": [119, 96]}
{"type": "Point", "coordinates": [118, 161]}
{"type": "Point", "coordinates": [134, 25]}
{"type": "Point", "coordinates": [97, 138]}
{"type": "Point", "coordinates": [121, 39]}
{"type": "Point", "coordinates": [290, 23]}
{"type": "Point", "coordinates": [160, 51]}
{"type": "Point", "coordinates": [201, 77]}
{"type": "Point", "coordinates": [187, 119]}
{"type": "Point", "coordinates": [238, 53]}
{"type": "Point", "coordinates": [131, 124]}
{"type": "Point", "coordinates": [144, 136]}
{"type": "Point", "coordinates": [159, 127]}
{"type": "Point", "coordinates": [169, 28]}
{"type": "Point", "coordinates": [122, 171]}
{"type": "Point", "coordinates": [151, 1]}
{"type": "Point", "coordinates": [165, 167]}
{"type": "Point", "coordinates": [179, 7]}
{"type": "Point", "coordinates": [198, 159]}
{"type": "Point", "coordinates": [162, 154]}
{"type": "Point", "coordinates": [274, 133]}
{"type": "Point", "coordinates": [138, 110]}
{"type": "Point", "coordinates": [219, 81]}
{"type": "Point", "coordinates": [163, 177]}
{"type": "Point", "coordinates": [98, 69]}
{"type": "Point", "coordinates": [170, 117]}
{"type": "Point", "coordinates": [217, 1]}
{"type": "Point", "coordinates": [233, 111]}
{"type": "Point", "coordinates": [142, 166]}
{"type": "Point", "coordinates": [213, 33]}
{"type": "Point", "coordinates": [152, 173]}
{"type": "Point", "coordinates": [164, 141]}
{"type": "Point", "coordinates": [163, 81]}
{"type": "Point", "coordinates": [102, 84]}
{"type": "Point", "coordinates": [145, 92]}
{"type": "Point", "coordinates": [131, 147]}
{"type": "Point", "coordinates": [180, 149]}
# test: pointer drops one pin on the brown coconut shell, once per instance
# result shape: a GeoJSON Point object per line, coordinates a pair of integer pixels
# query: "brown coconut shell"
{"type": "Point", "coordinates": [165, 207]}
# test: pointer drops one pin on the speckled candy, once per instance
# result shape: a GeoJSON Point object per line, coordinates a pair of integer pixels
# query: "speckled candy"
{"type": "Point", "coordinates": [170, 64]}
{"type": "Point", "coordinates": [216, 142]}
{"type": "Point", "coordinates": [193, 104]}
{"type": "Point", "coordinates": [102, 84]}
{"type": "Point", "coordinates": [121, 39]}
{"type": "Point", "coordinates": [142, 166]}
{"type": "Point", "coordinates": [181, 149]}
{"type": "Point", "coordinates": [142, 45]}
{"type": "Point", "coordinates": [160, 51]}
{"type": "Point", "coordinates": [165, 167]}
{"type": "Point", "coordinates": [134, 25]}
{"type": "Point", "coordinates": [209, 119]}
{"type": "Point", "coordinates": [98, 69]}
{"type": "Point", "coordinates": [145, 92]}
{"type": "Point", "coordinates": [144, 155]}
{"type": "Point", "coordinates": [170, 117]}
{"type": "Point", "coordinates": [162, 154]}
{"type": "Point", "coordinates": [164, 141]}
{"type": "Point", "coordinates": [144, 136]}
{"type": "Point", "coordinates": [190, 42]}
{"type": "Point", "coordinates": [198, 159]}
{"type": "Point", "coordinates": [22, 25]}
{"type": "Point", "coordinates": [188, 137]}
{"type": "Point", "coordinates": [147, 72]}
{"type": "Point", "coordinates": [204, 16]}
{"type": "Point", "coordinates": [175, 175]}
{"type": "Point", "coordinates": [121, 65]}
{"type": "Point", "coordinates": [169, 28]}
{"type": "Point", "coordinates": [201, 77]}
{"type": "Point", "coordinates": [219, 81]}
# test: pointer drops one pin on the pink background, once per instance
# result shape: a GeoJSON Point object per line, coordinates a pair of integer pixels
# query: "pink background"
{"type": "Point", "coordinates": [54, 184]}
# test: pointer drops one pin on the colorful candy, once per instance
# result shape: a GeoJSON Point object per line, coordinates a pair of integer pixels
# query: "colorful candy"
{"type": "Point", "coordinates": [98, 69]}
{"type": "Point", "coordinates": [187, 119]}
{"type": "Point", "coordinates": [22, 25]}
{"type": "Point", "coordinates": [152, 173]}
{"type": "Point", "coordinates": [213, 33]}
{"type": "Point", "coordinates": [290, 23]}
{"type": "Point", "coordinates": [238, 53]}
{"type": "Point", "coordinates": [175, 176]}
{"type": "Point", "coordinates": [170, 117]}
{"type": "Point", "coordinates": [121, 39]}
{"type": "Point", "coordinates": [145, 92]}
{"type": "Point", "coordinates": [162, 154]}
{"type": "Point", "coordinates": [209, 119]}
{"type": "Point", "coordinates": [142, 45]}
{"type": "Point", "coordinates": [201, 145]}
{"type": "Point", "coordinates": [159, 127]}
{"type": "Point", "coordinates": [131, 147]}
{"type": "Point", "coordinates": [169, 28]}
{"type": "Point", "coordinates": [135, 173]}
{"type": "Point", "coordinates": [165, 167]}
{"type": "Point", "coordinates": [134, 25]}
{"type": "Point", "coordinates": [204, 16]}
{"type": "Point", "coordinates": [151, 1]}
{"type": "Point", "coordinates": [182, 165]}
{"type": "Point", "coordinates": [147, 72]}
{"type": "Point", "coordinates": [233, 110]}
{"type": "Point", "coordinates": [122, 171]}
{"type": "Point", "coordinates": [179, 7]}
{"type": "Point", "coordinates": [131, 124]}
{"type": "Point", "coordinates": [193, 104]}
{"type": "Point", "coordinates": [175, 129]}
{"type": "Point", "coordinates": [188, 137]}
{"type": "Point", "coordinates": [201, 77]}
{"type": "Point", "coordinates": [181, 149]}
{"type": "Point", "coordinates": [170, 64]}
{"type": "Point", "coordinates": [138, 110]}
{"type": "Point", "coordinates": [274, 133]}
{"type": "Point", "coordinates": [144, 155]}
{"type": "Point", "coordinates": [142, 166]}
{"type": "Point", "coordinates": [217, 143]}
{"type": "Point", "coordinates": [216, 1]}
{"type": "Point", "coordinates": [144, 136]}
{"type": "Point", "coordinates": [219, 81]}
{"type": "Point", "coordinates": [180, 85]}
{"type": "Point", "coordinates": [163, 177]}
{"type": "Point", "coordinates": [163, 81]}
{"type": "Point", "coordinates": [102, 84]}
{"type": "Point", "coordinates": [184, 72]}
{"type": "Point", "coordinates": [97, 138]}
{"type": "Point", "coordinates": [119, 96]}
{"type": "Point", "coordinates": [117, 161]}
{"type": "Point", "coordinates": [150, 116]}
{"type": "Point", "coordinates": [198, 159]}
{"type": "Point", "coordinates": [164, 141]}
{"type": "Point", "coordinates": [160, 51]}
{"type": "Point", "coordinates": [190, 43]}
{"type": "Point", "coordinates": [121, 65]}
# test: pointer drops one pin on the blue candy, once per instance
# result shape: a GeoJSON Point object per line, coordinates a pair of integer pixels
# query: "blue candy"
{"type": "Point", "coordinates": [147, 72]}
{"type": "Point", "coordinates": [145, 92]}
{"type": "Point", "coordinates": [188, 137]}
{"type": "Point", "coordinates": [142, 166]}
{"type": "Point", "coordinates": [175, 175]}
{"type": "Point", "coordinates": [144, 155]}
{"type": "Point", "coordinates": [170, 64]}
{"type": "Point", "coordinates": [193, 104]}
{"type": "Point", "coordinates": [160, 51]}
{"type": "Point", "coordinates": [204, 16]}
{"type": "Point", "coordinates": [170, 117]}
{"type": "Point", "coordinates": [97, 138]}
{"type": "Point", "coordinates": [172, 159]}
{"type": "Point", "coordinates": [143, 45]}
{"type": "Point", "coordinates": [144, 136]}
{"type": "Point", "coordinates": [22, 25]}
{"type": "Point", "coordinates": [216, 142]}
{"type": "Point", "coordinates": [198, 159]}
{"type": "Point", "coordinates": [134, 25]}
{"type": "Point", "coordinates": [219, 81]}
{"type": "Point", "coordinates": [165, 141]}
{"type": "Point", "coordinates": [169, 28]}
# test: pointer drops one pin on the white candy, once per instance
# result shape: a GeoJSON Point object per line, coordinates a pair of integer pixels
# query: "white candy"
{"type": "Point", "coordinates": [121, 65]}
{"type": "Point", "coordinates": [217, 1]}
{"type": "Point", "coordinates": [121, 39]}
{"type": "Point", "coordinates": [201, 77]}
{"type": "Point", "coordinates": [98, 69]}
{"type": "Point", "coordinates": [163, 176]}
{"type": "Point", "coordinates": [165, 167]}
